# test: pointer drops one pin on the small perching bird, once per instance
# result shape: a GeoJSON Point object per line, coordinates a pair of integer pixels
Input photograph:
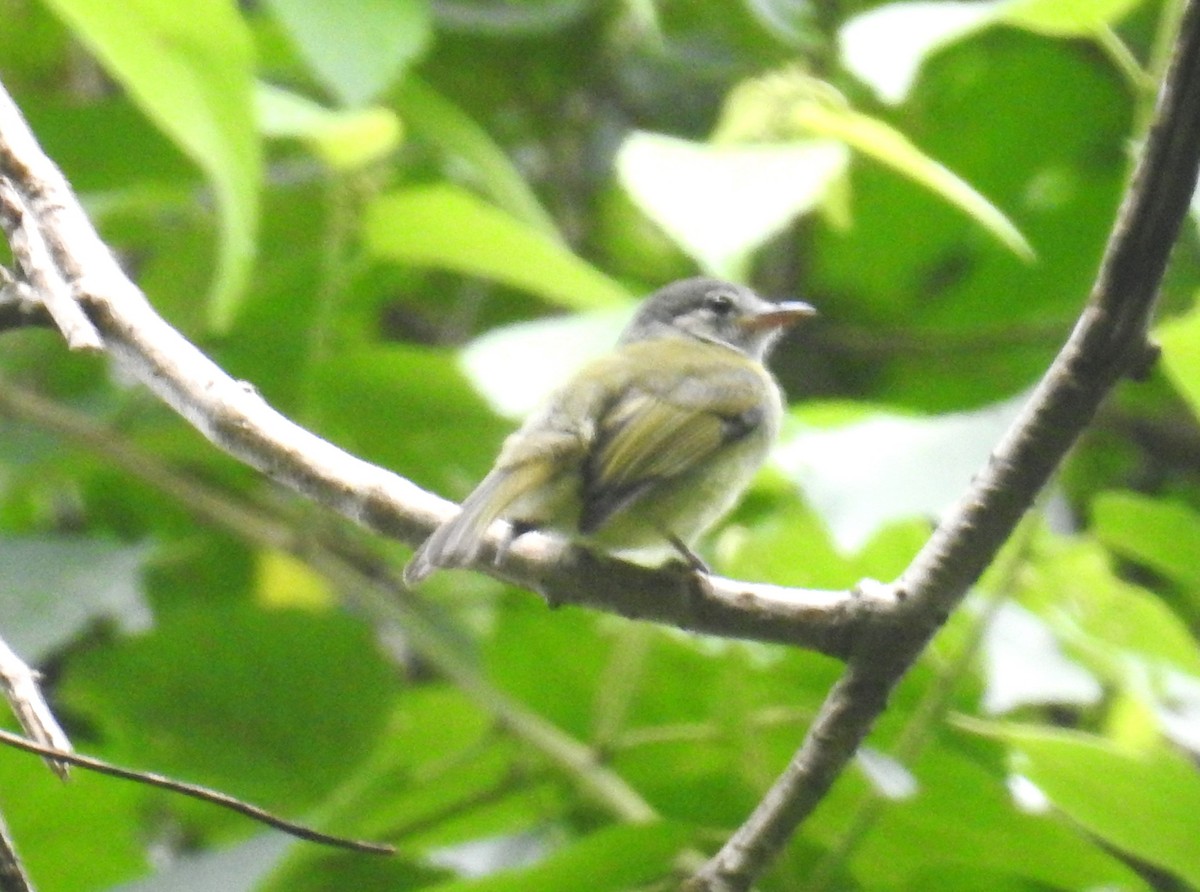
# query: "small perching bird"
{"type": "Point", "coordinates": [647, 447]}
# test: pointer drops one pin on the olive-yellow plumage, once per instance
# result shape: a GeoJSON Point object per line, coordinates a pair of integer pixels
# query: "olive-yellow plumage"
{"type": "Point", "coordinates": [647, 445]}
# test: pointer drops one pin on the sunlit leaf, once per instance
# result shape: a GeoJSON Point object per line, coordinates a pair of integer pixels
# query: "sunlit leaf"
{"type": "Point", "coordinates": [51, 588]}
{"type": "Point", "coordinates": [440, 121]}
{"type": "Point", "coordinates": [887, 45]}
{"type": "Point", "coordinates": [343, 139]}
{"type": "Point", "coordinates": [518, 366]}
{"type": "Point", "coordinates": [1162, 535]}
{"type": "Point", "coordinates": [1180, 341]}
{"type": "Point", "coordinates": [1065, 18]}
{"type": "Point", "coordinates": [885, 466]}
{"type": "Point", "coordinates": [1024, 665]}
{"type": "Point", "coordinates": [357, 47]}
{"type": "Point", "coordinates": [447, 227]}
{"type": "Point", "coordinates": [613, 859]}
{"type": "Point", "coordinates": [1142, 802]}
{"type": "Point", "coordinates": [790, 104]}
{"type": "Point", "coordinates": [721, 202]}
{"type": "Point", "coordinates": [192, 75]}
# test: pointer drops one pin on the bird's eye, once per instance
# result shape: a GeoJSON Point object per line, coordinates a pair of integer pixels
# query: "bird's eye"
{"type": "Point", "coordinates": [720, 303]}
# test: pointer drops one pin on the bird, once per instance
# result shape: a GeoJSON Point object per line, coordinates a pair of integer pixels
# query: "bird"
{"type": "Point", "coordinates": [646, 447]}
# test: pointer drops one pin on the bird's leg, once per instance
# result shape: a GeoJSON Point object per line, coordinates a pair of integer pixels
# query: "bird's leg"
{"type": "Point", "coordinates": [689, 557]}
{"type": "Point", "coordinates": [697, 572]}
{"type": "Point", "coordinates": [516, 529]}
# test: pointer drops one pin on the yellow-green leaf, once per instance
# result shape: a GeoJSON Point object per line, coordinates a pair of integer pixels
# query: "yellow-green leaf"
{"type": "Point", "coordinates": [342, 139]}
{"type": "Point", "coordinates": [192, 75]}
{"type": "Point", "coordinates": [789, 104]}
{"type": "Point", "coordinates": [447, 227]}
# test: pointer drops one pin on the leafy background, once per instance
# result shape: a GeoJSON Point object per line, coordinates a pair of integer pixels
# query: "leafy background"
{"type": "Point", "coordinates": [401, 220]}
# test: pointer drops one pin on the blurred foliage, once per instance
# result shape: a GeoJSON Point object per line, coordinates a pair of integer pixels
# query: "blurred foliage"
{"type": "Point", "coordinates": [401, 220]}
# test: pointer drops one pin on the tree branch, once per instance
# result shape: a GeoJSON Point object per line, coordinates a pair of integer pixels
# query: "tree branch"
{"type": "Point", "coordinates": [195, 791]}
{"type": "Point", "coordinates": [235, 418]}
{"type": "Point", "coordinates": [1109, 341]}
{"type": "Point", "coordinates": [20, 684]}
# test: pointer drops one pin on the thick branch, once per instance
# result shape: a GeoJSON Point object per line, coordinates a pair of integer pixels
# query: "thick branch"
{"type": "Point", "coordinates": [1108, 341]}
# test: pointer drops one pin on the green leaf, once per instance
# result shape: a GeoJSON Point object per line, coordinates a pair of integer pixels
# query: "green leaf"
{"type": "Point", "coordinates": [1162, 535]}
{"type": "Point", "coordinates": [887, 45]}
{"type": "Point", "coordinates": [357, 47]}
{"type": "Point", "coordinates": [614, 859]}
{"type": "Point", "coordinates": [963, 814]}
{"type": "Point", "coordinates": [192, 75]}
{"type": "Point", "coordinates": [394, 405]}
{"type": "Point", "coordinates": [87, 834]}
{"type": "Point", "coordinates": [1065, 18]}
{"type": "Point", "coordinates": [444, 124]}
{"type": "Point", "coordinates": [789, 104]}
{"type": "Point", "coordinates": [274, 705]}
{"type": "Point", "coordinates": [1121, 628]}
{"type": "Point", "coordinates": [885, 466]}
{"type": "Point", "coordinates": [1142, 802]}
{"type": "Point", "coordinates": [447, 227]}
{"type": "Point", "coordinates": [721, 202]}
{"type": "Point", "coordinates": [1180, 341]}
{"type": "Point", "coordinates": [345, 140]}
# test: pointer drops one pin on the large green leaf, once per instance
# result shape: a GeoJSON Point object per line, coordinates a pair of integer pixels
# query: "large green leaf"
{"type": "Point", "coordinates": [887, 45]}
{"type": "Point", "coordinates": [447, 227]}
{"type": "Point", "coordinates": [1180, 340]}
{"type": "Point", "coordinates": [614, 859]}
{"type": "Point", "coordinates": [790, 104]}
{"type": "Point", "coordinates": [963, 816]}
{"type": "Point", "coordinates": [1143, 802]}
{"type": "Point", "coordinates": [356, 47]}
{"type": "Point", "coordinates": [720, 202]}
{"type": "Point", "coordinates": [192, 75]}
{"type": "Point", "coordinates": [1163, 535]}
{"type": "Point", "coordinates": [444, 124]}
{"type": "Point", "coordinates": [274, 705]}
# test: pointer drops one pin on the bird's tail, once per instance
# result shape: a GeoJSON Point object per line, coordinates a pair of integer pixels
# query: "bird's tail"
{"type": "Point", "coordinates": [458, 541]}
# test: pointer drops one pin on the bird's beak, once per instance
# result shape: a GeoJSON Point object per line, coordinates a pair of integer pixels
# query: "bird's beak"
{"type": "Point", "coordinates": [780, 315]}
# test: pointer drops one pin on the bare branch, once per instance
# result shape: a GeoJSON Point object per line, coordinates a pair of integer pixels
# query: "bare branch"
{"type": "Point", "coordinates": [45, 283]}
{"type": "Point", "coordinates": [20, 685]}
{"type": "Point", "coordinates": [204, 794]}
{"type": "Point", "coordinates": [13, 877]}
{"type": "Point", "coordinates": [235, 418]}
{"type": "Point", "coordinates": [1108, 341]}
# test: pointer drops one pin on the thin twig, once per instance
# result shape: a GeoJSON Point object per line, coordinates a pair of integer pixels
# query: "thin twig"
{"type": "Point", "coordinates": [24, 696]}
{"type": "Point", "coordinates": [204, 794]}
{"type": "Point", "coordinates": [13, 877]}
{"type": "Point", "coordinates": [45, 282]}
{"type": "Point", "coordinates": [1108, 341]}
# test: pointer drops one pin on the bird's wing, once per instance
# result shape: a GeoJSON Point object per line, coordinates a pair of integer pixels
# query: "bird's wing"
{"type": "Point", "coordinates": [654, 433]}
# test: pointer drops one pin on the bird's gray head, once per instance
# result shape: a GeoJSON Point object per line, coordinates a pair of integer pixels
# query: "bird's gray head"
{"type": "Point", "coordinates": [714, 311]}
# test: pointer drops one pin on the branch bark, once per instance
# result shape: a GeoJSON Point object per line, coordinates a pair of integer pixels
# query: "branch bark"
{"type": "Point", "coordinates": [1109, 341]}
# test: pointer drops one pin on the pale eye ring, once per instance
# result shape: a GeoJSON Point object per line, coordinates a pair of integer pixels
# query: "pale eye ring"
{"type": "Point", "coordinates": [719, 303]}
